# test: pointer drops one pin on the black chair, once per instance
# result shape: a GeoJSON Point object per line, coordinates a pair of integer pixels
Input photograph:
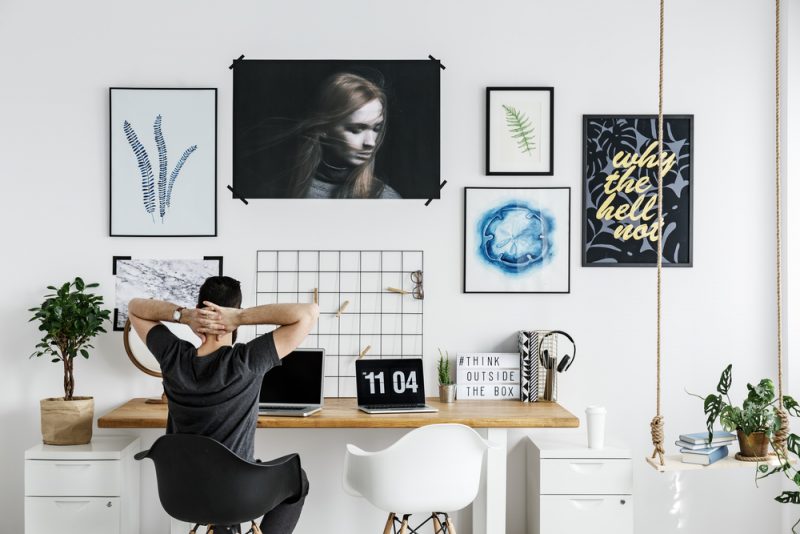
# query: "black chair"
{"type": "Point", "coordinates": [203, 482]}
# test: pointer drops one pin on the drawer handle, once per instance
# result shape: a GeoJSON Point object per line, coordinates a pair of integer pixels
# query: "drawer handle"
{"type": "Point", "coordinates": [74, 466]}
{"type": "Point", "coordinates": [71, 504]}
{"type": "Point", "coordinates": [585, 503]}
{"type": "Point", "coordinates": [586, 467]}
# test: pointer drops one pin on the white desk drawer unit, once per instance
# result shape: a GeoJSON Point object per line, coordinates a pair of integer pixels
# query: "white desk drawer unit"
{"type": "Point", "coordinates": [573, 489]}
{"type": "Point", "coordinates": [83, 489]}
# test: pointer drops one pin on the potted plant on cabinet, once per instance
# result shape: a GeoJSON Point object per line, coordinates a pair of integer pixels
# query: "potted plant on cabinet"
{"type": "Point", "coordinates": [755, 422]}
{"type": "Point", "coordinates": [447, 388]}
{"type": "Point", "coordinates": [70, 318]}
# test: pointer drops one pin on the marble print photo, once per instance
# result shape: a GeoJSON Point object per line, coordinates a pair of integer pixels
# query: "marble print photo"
{"type": "Point", "coordinates": [516, 240]}
{"type": "Point", "coordinates": [173, 280]}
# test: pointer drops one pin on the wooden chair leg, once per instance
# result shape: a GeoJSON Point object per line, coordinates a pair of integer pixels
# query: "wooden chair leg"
{"type": "Point", "coordinates": [450, 528]}
{"type": "Point", "coordinates": [404, 524]}
{"type": "Point", "coordinates": [389, 522]}
{"type": "Point", "coordinates": [437, 525]}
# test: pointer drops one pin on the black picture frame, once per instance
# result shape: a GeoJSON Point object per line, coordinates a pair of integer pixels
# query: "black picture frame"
{"type": "Point", "coordinates": [685, 162]}
{"type": "Point", "coordinates": [548, 151]}
{"type": "Point", "coordinates": [154, 163]}
{"type": "Point", "coordinates": [565, 245]}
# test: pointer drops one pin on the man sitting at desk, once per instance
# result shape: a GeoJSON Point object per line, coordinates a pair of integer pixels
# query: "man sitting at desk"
{"type": "Point", "coordinates": [213, 390]}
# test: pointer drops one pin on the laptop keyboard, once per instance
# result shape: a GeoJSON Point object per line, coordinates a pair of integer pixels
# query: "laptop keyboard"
{"type": "Point", "coordinates": [388, 406]}
{"type": "Point", "coordinates": [284, 408]}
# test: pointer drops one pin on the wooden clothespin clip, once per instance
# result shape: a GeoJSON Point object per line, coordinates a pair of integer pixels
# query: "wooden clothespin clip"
{"type": "Point", "coordinates": [316, 295]}
{"type": "Point", "coordinates": [395, 290]}
{"type": "Point", "coordinates": [343, 307]}
{"type": "Point", "coordinates": [364, 352]}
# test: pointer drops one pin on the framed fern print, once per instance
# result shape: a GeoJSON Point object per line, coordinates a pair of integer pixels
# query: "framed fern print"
{"type": "Point", "coordinates": [163, 162]}
{"type": "Point", "coordinates": [519, 131]}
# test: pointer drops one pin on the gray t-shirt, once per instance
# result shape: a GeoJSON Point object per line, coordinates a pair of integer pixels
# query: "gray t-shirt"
{"type": "Point", "coordinates": [214, 395]}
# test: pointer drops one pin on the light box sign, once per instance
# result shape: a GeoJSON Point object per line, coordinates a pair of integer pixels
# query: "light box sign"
{"type": "Point", "coordinates": [487, 375]}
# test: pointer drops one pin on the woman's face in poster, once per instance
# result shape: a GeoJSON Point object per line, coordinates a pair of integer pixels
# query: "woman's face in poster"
{"type": "Point", "coordinates": [353, 141]}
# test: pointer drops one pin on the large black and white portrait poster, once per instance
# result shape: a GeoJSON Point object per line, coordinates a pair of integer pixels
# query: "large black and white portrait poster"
{"type": "Point", "coordinates": [336, 129]}
{"type": "Point", "coordinates": [620, 190]}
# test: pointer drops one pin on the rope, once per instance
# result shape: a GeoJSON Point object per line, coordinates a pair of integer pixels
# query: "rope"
{"type": "Point", "coordinates": [778, 192]}
{"type": "Point", "coordinates": [782, 434]}
{"type": "Point", "coordinates": [657, 424]}
{"type": "Point", "coordinates": [739, 456]}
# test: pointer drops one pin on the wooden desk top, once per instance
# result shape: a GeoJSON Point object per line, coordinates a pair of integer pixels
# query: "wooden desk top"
{"type": "Point", "coordinates": [342, 413]}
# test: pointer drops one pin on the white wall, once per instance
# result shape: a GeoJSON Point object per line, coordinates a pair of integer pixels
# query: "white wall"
{"type": "Point", "coordinates": [58, 59]}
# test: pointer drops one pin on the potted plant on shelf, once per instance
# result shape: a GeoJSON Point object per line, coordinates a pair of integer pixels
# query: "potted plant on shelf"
{"type": "Point", "coordinates": [755, 422]}
{"type": "Point", "coordinates": [70, 318]}
{"type": "Point", "coordinates": [447, 388]}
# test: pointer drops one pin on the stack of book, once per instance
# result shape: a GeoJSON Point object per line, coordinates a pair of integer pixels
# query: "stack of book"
{"type": "Point", "coordinates": [696, 449]}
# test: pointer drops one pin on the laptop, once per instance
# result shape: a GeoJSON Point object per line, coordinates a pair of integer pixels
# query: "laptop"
{"type": "Point", "coordinates": [294, 388]}
{"type": "Point", "coordinates": [391, 386]}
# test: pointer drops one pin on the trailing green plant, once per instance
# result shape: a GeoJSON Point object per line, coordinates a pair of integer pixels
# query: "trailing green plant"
{"type": "Point", "coordinates": [70, 319]}
{"type": "Point", "coordinates": [787, 461]}
{"type": "Point", "coordinates": [758, 412]}
{"type": "Point", "coordinates": [443, 368]}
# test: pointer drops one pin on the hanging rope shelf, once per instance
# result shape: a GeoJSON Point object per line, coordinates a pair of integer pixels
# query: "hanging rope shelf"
{"type": "Point", "coordinates": [672, 462]}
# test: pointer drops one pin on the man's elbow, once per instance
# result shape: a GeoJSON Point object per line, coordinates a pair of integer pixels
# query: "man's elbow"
{"type": "Point", "coordinates": [310, 315]}
{"type": "Point", "coordinates": [133, 306]}
{"type": "Point", "coordinates": [312, 311]}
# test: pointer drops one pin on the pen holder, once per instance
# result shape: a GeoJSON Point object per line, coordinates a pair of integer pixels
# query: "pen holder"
{"type": "Point", "coordinates": [550, 385]}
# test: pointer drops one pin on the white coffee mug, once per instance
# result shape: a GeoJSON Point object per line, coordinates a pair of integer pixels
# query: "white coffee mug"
{"type": "Point", "coordinates": [596, 426]}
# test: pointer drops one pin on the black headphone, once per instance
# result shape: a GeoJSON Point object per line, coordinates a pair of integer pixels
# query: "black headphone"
{"type": "Point", "coordinates": [567, 360]}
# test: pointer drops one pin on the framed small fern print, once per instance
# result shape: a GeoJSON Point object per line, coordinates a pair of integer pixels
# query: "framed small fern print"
{"type": "Point", "coordinates": [519, 131]}
{"type": "Point", "coordinates": [163, 162]}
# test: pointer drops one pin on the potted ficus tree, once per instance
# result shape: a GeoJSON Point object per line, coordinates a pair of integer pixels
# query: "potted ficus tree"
{"type": "Point", "coordinates": [755, 421]}
{"type": "Point", "coordinates": [447, 389]}
{"type": "Point", "coordinates": [70, 318]}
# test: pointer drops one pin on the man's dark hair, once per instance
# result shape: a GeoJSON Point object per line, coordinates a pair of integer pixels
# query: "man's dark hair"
{"type": "Point", "coordinates": [223, 291]}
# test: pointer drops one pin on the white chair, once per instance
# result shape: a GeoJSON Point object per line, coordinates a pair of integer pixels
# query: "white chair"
{"type": "Point", "coordinates": [433, 469]}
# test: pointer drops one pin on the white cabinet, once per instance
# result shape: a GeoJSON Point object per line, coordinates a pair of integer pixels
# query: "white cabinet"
{"type": "Point", "coordinates": [573, 489]}
{"type": "Point", "coordinates": [83, 489]}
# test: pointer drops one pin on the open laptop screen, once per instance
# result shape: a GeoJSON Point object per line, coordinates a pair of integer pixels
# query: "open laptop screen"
{"type": "Point", "coordinates": [390, 381]}
{"type": "Point", "coordinates": [298, 380]}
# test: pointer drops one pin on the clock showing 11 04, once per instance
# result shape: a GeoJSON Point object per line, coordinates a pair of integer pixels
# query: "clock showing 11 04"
{"type": "Point", "coordinates": [390, 381]}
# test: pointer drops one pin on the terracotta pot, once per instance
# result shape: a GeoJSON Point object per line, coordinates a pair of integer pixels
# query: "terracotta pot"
{"type": "Point", "coordinates": [67, 422]}
{"type": "Point", "coordinates": [755, 444]}
{"type": "Point", "coordinates": [447, 393]}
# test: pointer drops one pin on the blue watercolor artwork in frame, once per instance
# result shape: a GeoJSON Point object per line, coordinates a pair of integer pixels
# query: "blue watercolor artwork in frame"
{"type": "Point", "coordinates": [516, 240]}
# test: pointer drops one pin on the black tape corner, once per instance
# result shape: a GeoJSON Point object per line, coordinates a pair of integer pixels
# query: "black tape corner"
{"type": "Point", "coordinates": [235, 61]}
{"type": "Point", "coordinates": [444, 183]}
{"type": "Point", "coordinates": [114, 261]}
{"type": "Point", "coordinates": [213, 258]}
{"type": "Point", "coordinates": [237, 196]}
{"type": "Point", "coordinates": [437, 61]}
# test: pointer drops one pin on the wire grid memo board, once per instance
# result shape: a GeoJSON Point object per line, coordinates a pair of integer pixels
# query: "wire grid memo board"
{"type": "Point", "coordinates": [389, 323]}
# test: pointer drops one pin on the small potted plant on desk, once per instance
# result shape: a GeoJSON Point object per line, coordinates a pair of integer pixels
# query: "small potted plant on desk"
{"type": "Point", "coordinates": [447, 389]}
{"type": "Point", "coordinates": [755, 421]}
{"type": "Point", "coordinates": [70, 319]}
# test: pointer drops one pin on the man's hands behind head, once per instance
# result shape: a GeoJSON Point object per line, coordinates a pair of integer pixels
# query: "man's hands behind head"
{"type": "Point", "coordinates": [211, 320]}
